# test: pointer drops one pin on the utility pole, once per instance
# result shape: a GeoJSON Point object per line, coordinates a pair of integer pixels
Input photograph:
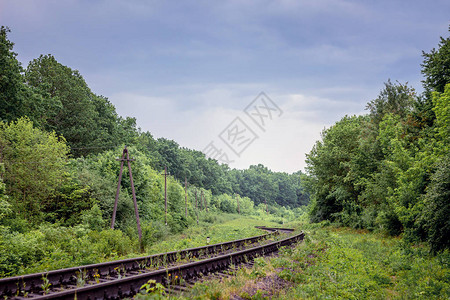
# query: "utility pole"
{"type": "Point", "coordinates": [165, 192]}
{"type": "Point", "coordinates": [185, 197]}
{"type": "Point", "coordinates": [237, 198]}
{"type": "Point", "coordinates": [196, 205]}
{"type": "Point", "coordinates": [206, 202]}
{"type": "Point", "coordinates": [128, 160]}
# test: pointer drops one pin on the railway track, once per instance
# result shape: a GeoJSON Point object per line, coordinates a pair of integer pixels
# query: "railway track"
{"type": "Point", "coordinates": [123, 278]}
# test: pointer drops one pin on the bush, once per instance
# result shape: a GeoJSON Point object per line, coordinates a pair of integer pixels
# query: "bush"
{"type": "Point", "coordinates": [176, 223]}
{"type": "Point", "coordinates": [148, 234]}
{"type": "Point", "coordinates": [435, 216]}
{"type": "Point", "coordinates": [111, 242]}
{"type": "Point", "coordinates": [161, 230]}
{"type": "Point", "coordinates": [93, 218]}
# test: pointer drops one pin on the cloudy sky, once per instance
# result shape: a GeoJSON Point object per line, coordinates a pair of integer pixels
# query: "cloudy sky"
{"type": "Point", "coordinates": [187, 69]}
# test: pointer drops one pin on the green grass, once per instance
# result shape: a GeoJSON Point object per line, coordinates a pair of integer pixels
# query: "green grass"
{"type": "Point", "coordinates": [230, 227]}
{"type": "Point", "coordinates": [339, 263]}
{"type": "Point", "coordinates": [51, 247]}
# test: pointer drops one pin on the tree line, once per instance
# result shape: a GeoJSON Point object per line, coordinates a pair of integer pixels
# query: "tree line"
{"type": "Point", "coordinates": [59, 140]}
{"type": "Point", "coordinates": [389, 169]}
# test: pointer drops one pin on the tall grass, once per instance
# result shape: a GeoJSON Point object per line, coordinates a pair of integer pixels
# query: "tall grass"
{"type": "Point", "coordinates": [340, 263]}
{"type": "Point", "coordinates": [225, 227]}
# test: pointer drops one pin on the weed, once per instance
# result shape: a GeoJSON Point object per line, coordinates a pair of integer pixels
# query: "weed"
{"type": "Point", "coordinates": [81, 278]}
{"type": "Point", "coordinates": [152, 287]}
{"type": "Point", "coordinates": [96, 276]}
{"type": "Point", "coordinates": [45, 285]}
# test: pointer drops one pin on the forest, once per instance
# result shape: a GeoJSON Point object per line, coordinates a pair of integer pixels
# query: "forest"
{"type": "Point", "coordinates": [58, 147]}
{"type": "Point", "coordinates": [389, 170]}
{"type": "Point", "coordinates": [386, 171]}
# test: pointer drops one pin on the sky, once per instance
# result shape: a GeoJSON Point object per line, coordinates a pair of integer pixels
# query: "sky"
{"type": "Point", "coordinates": [246, 82]}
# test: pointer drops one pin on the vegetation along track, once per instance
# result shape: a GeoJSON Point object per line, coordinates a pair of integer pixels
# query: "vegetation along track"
{"type": "Point", "coordinates": [123, 278]}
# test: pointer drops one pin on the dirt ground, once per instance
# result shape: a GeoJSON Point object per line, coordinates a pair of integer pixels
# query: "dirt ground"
{"type": "Point", "coordinates": [267, 287]}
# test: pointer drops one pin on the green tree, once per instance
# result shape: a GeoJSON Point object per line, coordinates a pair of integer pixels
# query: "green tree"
{"type": "Point", "coordinates": [227, 203]}
{"type": "Point", "coordinates": [397, 99]}
{"type": "Point", "coordinates": [75, 113]}
{"type": "Point", "coordinates": [99, 173]}
{"type": "Point", "coordinates": [11, 100]}
{"type": "Point", "coordinates": [441, 108]}
{"type": "Point", "coordinates": [287, 193]}
{"type": "Point", "coordinates": [329, 163]}
{"type": "Point", "coordinates": [68, 202]}
{"type": "Point", "coordinates": [5, 206]}
{"type": "Point", "coordinates": [436, 67]}
{"type": "Point", "coordinates": [16, 98]}
{"type": "Point", "coordinates": [435, 215]}
{"type": "Point", "coordinates": [34, 165]}
{"type": "Point", "coordinates": [87, 121]}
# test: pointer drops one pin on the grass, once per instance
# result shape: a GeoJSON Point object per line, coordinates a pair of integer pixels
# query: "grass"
{"type": "Point", "coordinates": [51, 247]}
{"type": "Point", "coordinates": [339, 263]}
{"type": "Point", "coordinates": [233, 227]}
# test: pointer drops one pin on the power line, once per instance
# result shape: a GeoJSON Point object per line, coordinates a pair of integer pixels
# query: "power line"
{"type": "Point", "coordinates": [95, 147]}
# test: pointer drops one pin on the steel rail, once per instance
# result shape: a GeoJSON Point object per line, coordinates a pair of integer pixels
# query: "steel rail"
{"type": "Point", "coordinates": [129, 286]}
{"type": "Point", "coordinates": [32, 282]}
{"type": "Point", "coordinates": [272, 229]}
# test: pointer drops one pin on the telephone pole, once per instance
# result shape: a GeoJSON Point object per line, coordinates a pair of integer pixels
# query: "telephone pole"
{"type": "Point", "coordinates": [206, 202]}
{"type": "Point", "coordinates": [196, 205]}
{"type": "Point", "coordinates": [237, 199]}
{"type": "Point", "coordinates": [128, 160]}
{"type": "Point", "coordinates": [185, 197]}
{"type": "Point", "coordinates": [165, 193]}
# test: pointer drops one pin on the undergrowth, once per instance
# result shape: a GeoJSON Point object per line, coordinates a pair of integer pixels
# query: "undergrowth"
{"type": "Point", "coordinates": [338, 263]}
{"type": "Point", "coordinates": [52, 246]}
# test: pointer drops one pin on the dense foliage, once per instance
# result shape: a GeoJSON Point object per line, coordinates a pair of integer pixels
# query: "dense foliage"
{"type": "Point", "coordinates": [335, 263]}
{"type": "Point", "coordinates": [58, 178]}
{"type": "Point", "coordinates": [388, 170]}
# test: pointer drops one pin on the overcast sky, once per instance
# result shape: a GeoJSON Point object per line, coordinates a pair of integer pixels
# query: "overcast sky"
{"type": "Point", "coordinates": [187, 69]}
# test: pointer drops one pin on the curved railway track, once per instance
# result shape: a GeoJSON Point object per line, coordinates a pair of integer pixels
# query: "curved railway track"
{"type": "Point", "coordinates": [123, 278]}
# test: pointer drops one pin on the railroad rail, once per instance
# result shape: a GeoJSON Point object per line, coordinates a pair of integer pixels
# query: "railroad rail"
{"type": "Point", "coordinates": [123, 278]}
{"type": "Point", "coordinates": [274, 229]}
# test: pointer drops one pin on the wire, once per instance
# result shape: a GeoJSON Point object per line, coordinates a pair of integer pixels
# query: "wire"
{"type": "Point", "coordinates": [96, 147]}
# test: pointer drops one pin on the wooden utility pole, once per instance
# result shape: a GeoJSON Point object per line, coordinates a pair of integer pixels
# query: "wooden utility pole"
{"type": "Point", "coordinates": [206, 202]}
{"type": "Point", "coordinates": [165, 192]}
{"type": "Point", "coordinates": [185, 197]}
{"type": "Point", "coordinates": [237, 199]}
{"type": "Point", "coordinates": [196, 205]}
{"type": "Point", "coordinates": [128, 160]}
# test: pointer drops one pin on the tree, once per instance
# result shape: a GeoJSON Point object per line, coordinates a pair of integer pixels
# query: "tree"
{"type": "Point", "coordinates": [16, 99]}
{"type": "Point", "coordinates": [441, 108]}
{"type": "Point", "coordinates": [436, 212]}
{"type": "Point", "coordinates": [286, 195]}
{"type": "Point", "coordinates": [34, 165]}
{"type": "Point", "coordinates": [88, 122]}
{"type": "Point", "coordinates": [329, 163]}
{"type": "Point", "coordinates": [74, 111]}
{"type": "Point", "coordinates": [436, 67]}
{"type": "Point", "coordinates": [11, 101]}
{"type": "Point", "coordinates": [5, 206]}
{"type": "Point", "coordinates": [397, 99]}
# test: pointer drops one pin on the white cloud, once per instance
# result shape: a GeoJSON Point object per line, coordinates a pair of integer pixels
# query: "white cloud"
{"type": "Point", "coordinates": [186, 69]}
{"type": "Point", "coordinates": [282, 147]}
